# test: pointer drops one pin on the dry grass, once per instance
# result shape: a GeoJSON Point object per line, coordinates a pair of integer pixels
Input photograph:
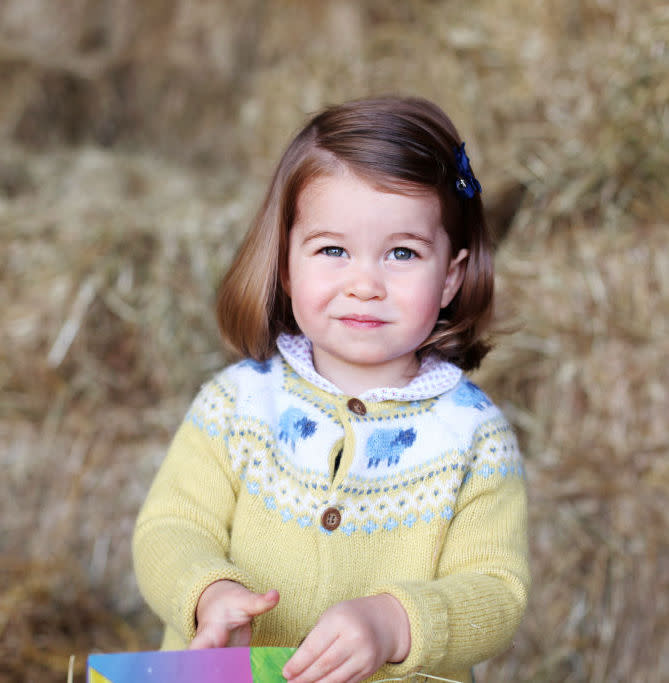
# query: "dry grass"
{"type": "Point", "coordinates": [137, 138]}
{"type": "Point", "coordinates": [589, 387]}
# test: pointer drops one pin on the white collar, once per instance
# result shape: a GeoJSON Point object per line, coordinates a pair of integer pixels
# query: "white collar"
{"type": "Point", "coordinates": [434, 376]}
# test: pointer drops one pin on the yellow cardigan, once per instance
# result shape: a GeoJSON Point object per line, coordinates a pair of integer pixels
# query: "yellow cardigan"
{"type": "Point", "coordinates": [274, 482]}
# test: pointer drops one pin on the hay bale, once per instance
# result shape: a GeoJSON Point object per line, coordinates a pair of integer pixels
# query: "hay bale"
{"type": "Point", "coordinates": [111, 252]}
{"type": "Point", "coordinates": [585, 379]}
{"type": "Point", "coordinates": [46, 615]}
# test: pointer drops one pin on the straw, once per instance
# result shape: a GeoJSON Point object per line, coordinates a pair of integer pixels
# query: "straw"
{"type": "Point", "coordinates": [137, 142]}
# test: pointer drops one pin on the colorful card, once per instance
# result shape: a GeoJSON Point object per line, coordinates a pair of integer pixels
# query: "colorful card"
{"type": "Point", "coordinates": [226, 665]}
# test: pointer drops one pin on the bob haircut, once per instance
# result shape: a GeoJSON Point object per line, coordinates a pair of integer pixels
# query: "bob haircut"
{"type": "Point", "coordinates": [402, 145]}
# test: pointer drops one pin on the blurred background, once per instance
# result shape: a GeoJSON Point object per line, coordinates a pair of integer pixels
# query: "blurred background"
{"type": "Point", "coordinates": [136, 141]}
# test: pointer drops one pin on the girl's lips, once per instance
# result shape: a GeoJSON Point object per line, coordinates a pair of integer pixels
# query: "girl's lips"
{"type": "Point", "coordinates": [361, 321]}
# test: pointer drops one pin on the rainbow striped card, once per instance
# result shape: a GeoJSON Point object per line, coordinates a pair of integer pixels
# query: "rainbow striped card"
{"type": "Point", "coordinates": [226, 665]}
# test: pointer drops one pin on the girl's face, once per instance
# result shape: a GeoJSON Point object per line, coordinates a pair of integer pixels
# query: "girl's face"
{"type": "Point", "coordinates": [368, 272]}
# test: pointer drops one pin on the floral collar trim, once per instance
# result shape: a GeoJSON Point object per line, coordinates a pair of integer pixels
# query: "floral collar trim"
{"type": "Point", "coordinates": [434, 376]}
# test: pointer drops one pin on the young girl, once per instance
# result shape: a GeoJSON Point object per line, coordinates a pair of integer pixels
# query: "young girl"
{"type": "Point", "coordinates": [345, 489]}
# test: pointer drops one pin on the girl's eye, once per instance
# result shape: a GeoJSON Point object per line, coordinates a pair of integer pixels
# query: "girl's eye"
{"type": "Point", "coordinates": [332, 251]}
{"type": "Point", "coordinates": [402, 254]}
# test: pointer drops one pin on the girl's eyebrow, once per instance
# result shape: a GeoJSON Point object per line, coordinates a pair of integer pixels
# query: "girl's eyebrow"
{"type": "Point", "coordinates": [411, 236]}
{"type": "Point", "coordinates": [322, 234]}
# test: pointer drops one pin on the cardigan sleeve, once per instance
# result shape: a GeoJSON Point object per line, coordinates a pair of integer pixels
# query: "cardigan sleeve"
{"type": "Point", "coordinates": [182, 535]}
{"type": "Point", "coordinates": [471, 611]}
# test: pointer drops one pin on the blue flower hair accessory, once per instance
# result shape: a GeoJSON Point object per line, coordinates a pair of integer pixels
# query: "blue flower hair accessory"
{"type": "Point", "coordinates": [466, 183]}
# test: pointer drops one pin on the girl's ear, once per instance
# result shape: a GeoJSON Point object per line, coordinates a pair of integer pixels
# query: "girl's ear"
{"type": "Point", "coordinates": [454, 277]}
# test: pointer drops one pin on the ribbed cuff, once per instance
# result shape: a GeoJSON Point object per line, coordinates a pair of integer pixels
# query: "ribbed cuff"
{"type": "Point", "coordinates": [191, 585]}
{"type": "Point", "coordinates": [428, 622]}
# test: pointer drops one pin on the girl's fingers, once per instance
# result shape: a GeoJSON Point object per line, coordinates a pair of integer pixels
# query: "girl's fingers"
{"type": "Point", "coordinates": [308, 653]}
{"type": "Point", "coordinates": [333, 666]}
{"type": "Point", "coordinates": [244, 610]}
{"type": "Point", "coordinates": [199, 643]}
{"type": "Point", "coordinates": [212, 635]}
{"type": "Point", "coordinates": [240, 637]}
{"type": "Point", "coordinates": [231, 626]}
{"type": "Point", "coordinates": [217, 635]}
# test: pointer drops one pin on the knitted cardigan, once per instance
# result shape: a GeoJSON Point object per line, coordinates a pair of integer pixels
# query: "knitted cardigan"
{"type": "Point", "coordinates": [427, 488]}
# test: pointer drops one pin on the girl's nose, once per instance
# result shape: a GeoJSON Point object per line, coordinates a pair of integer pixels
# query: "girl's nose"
{"type": "Point", "coordinates": [365, 281]}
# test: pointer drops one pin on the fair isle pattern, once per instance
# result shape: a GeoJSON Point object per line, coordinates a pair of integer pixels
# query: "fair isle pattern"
{"type": "Point", "coordinates": [406, 461]}
{"type": "Point", "coordinates": [293, 495]}
{"type": "Point", "coordinates": [309, 392]}
{"type": "Point", "coordinates": [496, 452]}
{"type": "Point", "coordinates": [214, 404]}
{"type": "Point", "coordinates": [434, 376]}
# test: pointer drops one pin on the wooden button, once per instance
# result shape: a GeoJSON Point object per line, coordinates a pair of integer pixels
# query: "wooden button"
{"type": "Point", "coordinates": [331, 519]}
{"type": "Point", "coordinates": [355, 405]}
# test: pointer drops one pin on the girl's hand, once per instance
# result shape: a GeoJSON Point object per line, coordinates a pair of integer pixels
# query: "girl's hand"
{"type": "Point", "coordinates": [351, 641]}
{"type": "Point", "coordinates": [224, 613]}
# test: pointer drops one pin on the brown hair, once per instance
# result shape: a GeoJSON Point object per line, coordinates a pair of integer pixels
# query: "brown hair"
{"type": "Point", "coordinates": [400, 145]}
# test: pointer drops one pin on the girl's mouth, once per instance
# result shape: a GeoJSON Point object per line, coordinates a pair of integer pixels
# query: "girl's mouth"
{"type": "Point", "coordinates": [361, 321]}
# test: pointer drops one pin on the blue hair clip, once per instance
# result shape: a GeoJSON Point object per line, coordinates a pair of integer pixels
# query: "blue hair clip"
{"type": "Point", "coordinates": [466, 183]}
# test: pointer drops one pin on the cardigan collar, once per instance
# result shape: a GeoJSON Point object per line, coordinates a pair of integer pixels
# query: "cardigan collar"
{"type": "Point", "coordinates": [435, 376]}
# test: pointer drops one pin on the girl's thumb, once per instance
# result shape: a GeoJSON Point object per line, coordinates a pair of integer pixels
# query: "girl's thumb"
{"type": "Point", "coordinates": [265, 602]}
